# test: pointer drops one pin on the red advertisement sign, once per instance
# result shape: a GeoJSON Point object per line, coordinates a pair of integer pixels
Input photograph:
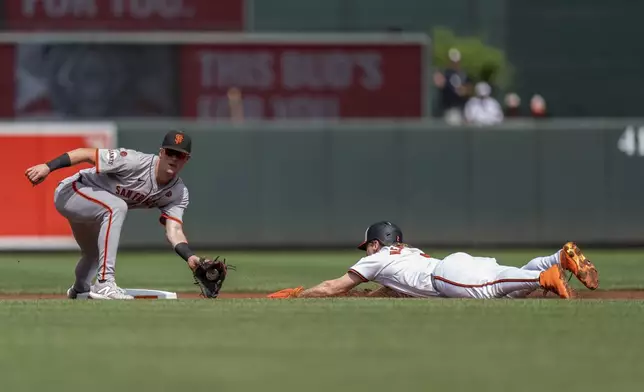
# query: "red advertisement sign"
{"type": "Point", "coordinates": [124, 14]}
{"type": "Point", "coordinates": [294, 80]}
{"type": "Point", "coordinates": [35, 222]}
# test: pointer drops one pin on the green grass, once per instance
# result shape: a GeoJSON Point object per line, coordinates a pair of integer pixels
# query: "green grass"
{"type": "Point", "coordinates": [322, 345]}
{"type": "Point", "coordinates": [342, 344]}
{"type": "Point", "coordinates": [264, 271]}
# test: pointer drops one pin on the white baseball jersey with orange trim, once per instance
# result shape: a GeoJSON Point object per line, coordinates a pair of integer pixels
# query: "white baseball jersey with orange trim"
{"type": "Point", "coordinates": [96, 201]}
{"type": "Point", "coordinates": [403, 269]}
{"type": "Point", "coordinates": [459, 275]}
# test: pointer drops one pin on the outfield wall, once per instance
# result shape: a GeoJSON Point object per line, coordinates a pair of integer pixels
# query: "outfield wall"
{"type": "Point", "coordinates": [319, 185]}
{"type": "Point", "coordinates": [310, 184]}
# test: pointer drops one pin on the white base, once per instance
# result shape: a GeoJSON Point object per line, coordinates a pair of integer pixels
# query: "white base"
{"type": "Point", "coordinates": [141, 294]}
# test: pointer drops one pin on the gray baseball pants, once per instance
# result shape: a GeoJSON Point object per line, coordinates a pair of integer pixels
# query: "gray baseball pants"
{"type": "Point", "coordinates": [96, 218]}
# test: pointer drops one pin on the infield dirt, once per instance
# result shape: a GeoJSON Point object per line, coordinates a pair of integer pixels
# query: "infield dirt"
{"type": "Point", "coordinates": [597, 294]}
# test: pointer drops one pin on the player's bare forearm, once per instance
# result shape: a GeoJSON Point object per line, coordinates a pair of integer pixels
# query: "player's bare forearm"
{"type": "Point", "coordinates": [76, 156]}
{"type": "Point", "coordinates": [332, 288]}
{"type": "Point", "coordinates": [174, 234]}
{"type": "Point", "coordinates": [324, 289]}
{"type": "Point", "coordinates": [82, 155]}
{"type": "Point", "coordinates": [37, 174]}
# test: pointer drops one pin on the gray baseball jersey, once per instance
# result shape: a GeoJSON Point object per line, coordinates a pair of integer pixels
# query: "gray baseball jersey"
{"type": "Point", "coordinates": [129, 174]}
{"type": "Point", "coordinates": [95, 201]}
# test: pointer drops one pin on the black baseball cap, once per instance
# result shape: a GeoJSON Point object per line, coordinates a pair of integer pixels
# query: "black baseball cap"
{"type": "Point", "coordinates": [177, 140]}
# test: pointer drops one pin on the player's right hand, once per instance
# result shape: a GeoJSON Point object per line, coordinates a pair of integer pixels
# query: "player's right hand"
{"type": "Point", "coordinates": [37, 174]}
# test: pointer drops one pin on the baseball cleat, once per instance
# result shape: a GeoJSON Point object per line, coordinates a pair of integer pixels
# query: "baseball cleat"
{"type": "Point", "coordinates": [574, 261]}
{"type": "Point", "coordinates": [72, 293]}
{"type": "Point", "coordinates": [108, 290]}
{"type": "Point", "coordinates": [554, 279]}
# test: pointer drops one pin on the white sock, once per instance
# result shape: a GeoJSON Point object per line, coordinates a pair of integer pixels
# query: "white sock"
{"type": "Point", "coordinates": [542, 263]}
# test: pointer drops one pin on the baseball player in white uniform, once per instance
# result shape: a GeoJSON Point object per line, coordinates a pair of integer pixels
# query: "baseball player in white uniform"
{"type": "Point", "coordinates": [408, 271]}
{"type": "Point", "coordinates": [96, 201]}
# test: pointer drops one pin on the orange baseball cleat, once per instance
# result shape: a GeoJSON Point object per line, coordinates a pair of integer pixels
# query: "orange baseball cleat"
{"type": "Point", "coordinates": [286, 293]}
{"type": "Point", "coordinates": [574, 261]}
{"type": "Point", "coordinates": [554, 279]}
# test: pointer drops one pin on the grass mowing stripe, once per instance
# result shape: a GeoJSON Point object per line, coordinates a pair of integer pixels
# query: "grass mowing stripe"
{"type": "Point", "coordinates": [317, 345]}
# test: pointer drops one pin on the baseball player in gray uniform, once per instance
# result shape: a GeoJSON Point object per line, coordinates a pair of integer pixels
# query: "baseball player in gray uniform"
{"type": "Point", "coordinates": [95, 201]}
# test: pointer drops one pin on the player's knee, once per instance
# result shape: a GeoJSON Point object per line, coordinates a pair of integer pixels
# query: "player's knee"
{"type": "Point", "coordinates": [119, 208]}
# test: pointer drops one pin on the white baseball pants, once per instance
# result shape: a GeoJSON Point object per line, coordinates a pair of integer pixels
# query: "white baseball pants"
{"type": "Point", "coordinates": [461, 275]}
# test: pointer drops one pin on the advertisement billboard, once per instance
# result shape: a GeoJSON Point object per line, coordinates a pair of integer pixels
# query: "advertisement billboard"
{"type": "Point", "coordinates": [124, 15]}
{"type": "Point", "coordinates": [303, 80]}
{"type": "Point", "coordinates": [210, 76]}
{"type": "Point", "coordinates": [30, 219]}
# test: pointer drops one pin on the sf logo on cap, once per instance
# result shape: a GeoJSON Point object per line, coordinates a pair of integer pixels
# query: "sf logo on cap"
{"type": "Point", "coordinates": [178, 138]}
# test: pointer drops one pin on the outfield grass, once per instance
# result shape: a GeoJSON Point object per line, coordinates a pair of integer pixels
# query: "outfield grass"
{"type": "Point", "coordinates": [264, 271]}
{"type": "Point", "coordinates": [341, 344]}
{"type": "Point", "coordinates": [321, 345]}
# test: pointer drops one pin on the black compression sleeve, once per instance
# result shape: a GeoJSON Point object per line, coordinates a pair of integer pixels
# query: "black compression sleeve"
{"type": "Point", "coordinates": [60, 162]}
{"type": "Point", "coordinates": [184, 250]}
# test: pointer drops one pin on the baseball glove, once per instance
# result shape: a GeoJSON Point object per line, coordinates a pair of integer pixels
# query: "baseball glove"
{"type": "Point", "coordinates": [210, 275]}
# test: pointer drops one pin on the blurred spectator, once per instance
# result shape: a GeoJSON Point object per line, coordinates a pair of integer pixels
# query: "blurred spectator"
{"type": "Point", "coordinates": [454, 85]}
{"type": "Point", "coordinates": [235, 104]}
{"type": "Point", "coordinates": [483, 109]}
{"type": "Point", "coordinates": [512, 105]}
{"type": "Point", "coordinates": [538, 106]}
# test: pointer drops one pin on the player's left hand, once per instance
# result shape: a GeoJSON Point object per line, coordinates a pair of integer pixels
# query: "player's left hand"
{"type": "Point", "coordinates": [210, 275]}
{"type": "Point", "coordinates": [287, 293]}
{"type": "Point", "coordinates": [37, 174]}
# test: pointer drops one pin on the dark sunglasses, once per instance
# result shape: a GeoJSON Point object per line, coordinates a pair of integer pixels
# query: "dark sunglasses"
{"type": "Point", "coordinates": [175, 153]}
